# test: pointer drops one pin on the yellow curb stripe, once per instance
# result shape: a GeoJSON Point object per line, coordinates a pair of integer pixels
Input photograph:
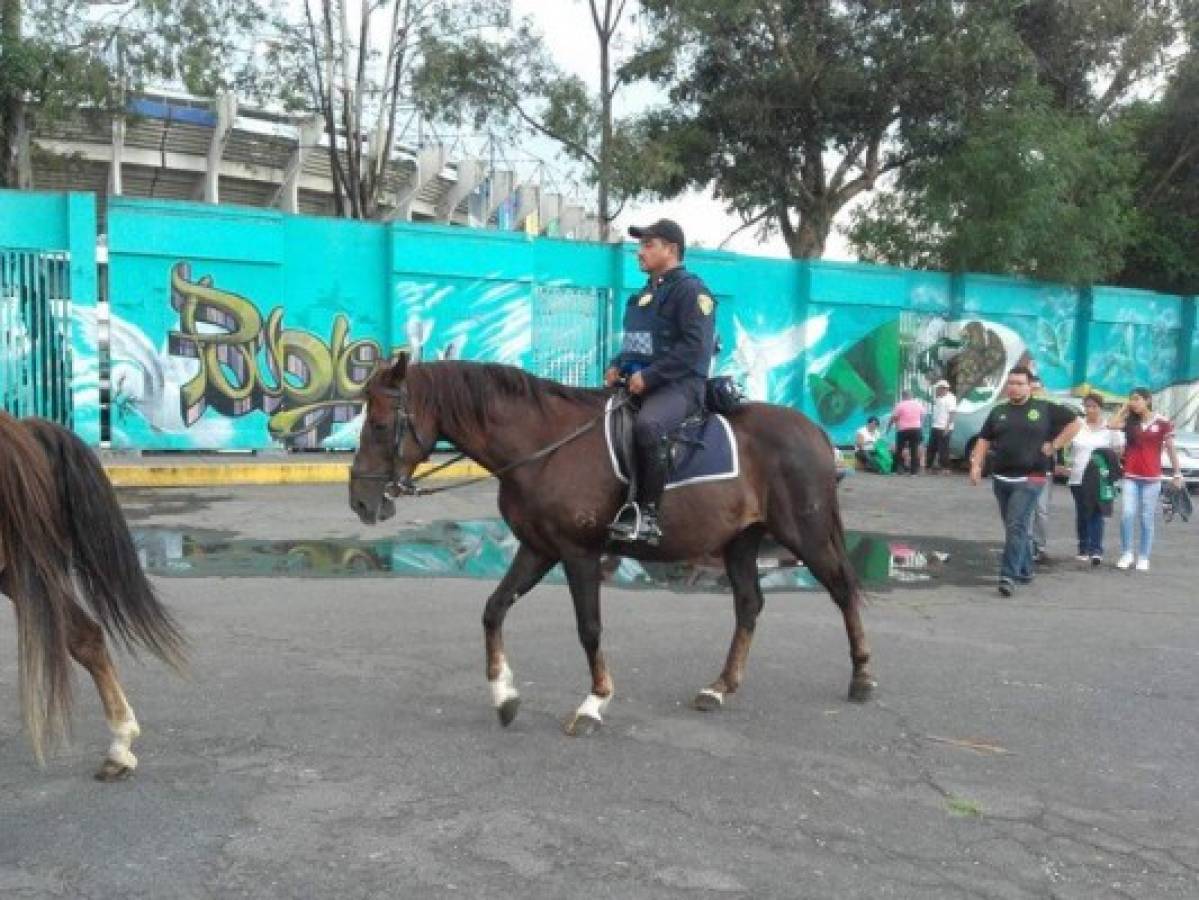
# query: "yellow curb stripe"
{"type": "Point", "coordinates": [215, 474]}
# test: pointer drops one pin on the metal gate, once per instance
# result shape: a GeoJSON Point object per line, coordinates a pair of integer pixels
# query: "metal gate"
{"type": "Point", "coordinates": [569, 334]}
{"type": "Point", "coordinates": [35, 346]}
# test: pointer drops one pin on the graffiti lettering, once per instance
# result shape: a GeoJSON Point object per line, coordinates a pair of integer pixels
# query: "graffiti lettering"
{"type": "Point", "coordinates": [250, 363]}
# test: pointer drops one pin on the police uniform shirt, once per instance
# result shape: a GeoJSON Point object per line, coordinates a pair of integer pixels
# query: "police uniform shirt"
{"type": "Point", "coordinates": [1016, 433]}
{"type": "Point", "coordinates": [669, 329]}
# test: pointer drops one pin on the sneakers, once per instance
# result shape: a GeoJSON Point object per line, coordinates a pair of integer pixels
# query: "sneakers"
{"type": "Point", "coordinates": [1096, 559]}
{"type": "Point", "coordinates": [1142, 565]}
{"type": "Point", "coordinates": [1006, 587]}
{"type": "Point", "coordinates": [1125, 561]}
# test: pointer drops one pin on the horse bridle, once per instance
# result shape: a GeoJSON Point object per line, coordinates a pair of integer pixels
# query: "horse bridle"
{"type": "Point", "coordinates": [409, 487]}
{"type": "Point", "coordinates": [403, 422]}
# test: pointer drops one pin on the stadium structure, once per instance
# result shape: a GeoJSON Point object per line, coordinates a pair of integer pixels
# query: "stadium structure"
{"type": "Point", "coordinates": [175, 146]}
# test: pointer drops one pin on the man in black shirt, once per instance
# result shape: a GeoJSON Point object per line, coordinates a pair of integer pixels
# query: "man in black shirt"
{"type": "Point", "coordinates": [1023, 434]}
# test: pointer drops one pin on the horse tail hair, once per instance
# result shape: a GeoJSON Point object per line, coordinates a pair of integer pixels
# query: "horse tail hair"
{"type": "Point", "coordinates": [35, 572]}
{"type": "Point", "coordinates": [104, 557]}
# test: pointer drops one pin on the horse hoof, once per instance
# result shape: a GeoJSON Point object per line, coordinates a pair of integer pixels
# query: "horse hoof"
{"type": "Point", "coordinates": [582, 725]}
{"type": "Point", "coordinates": [110, 771]}
{"type": "Point", "coordinates": [507, 710]}
{"type": "Point", "coordinates": [861, 689]}
{"type": "Point", "coordinates": [708, 700]}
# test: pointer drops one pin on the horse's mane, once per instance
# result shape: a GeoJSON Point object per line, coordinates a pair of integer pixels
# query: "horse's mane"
{"type": "Point", "coordinates": [461, 393]}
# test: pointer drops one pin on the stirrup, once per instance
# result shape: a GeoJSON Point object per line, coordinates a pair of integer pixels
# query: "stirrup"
{"type": "Point", "coordinates": [627, 524]}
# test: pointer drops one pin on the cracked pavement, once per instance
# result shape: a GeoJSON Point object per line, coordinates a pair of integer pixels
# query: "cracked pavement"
{"type": "Point", "coordinates": [335, 737]}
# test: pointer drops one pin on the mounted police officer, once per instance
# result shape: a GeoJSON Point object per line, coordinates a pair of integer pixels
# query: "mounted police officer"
{"type": "Point", "coordinates": [669, 338]}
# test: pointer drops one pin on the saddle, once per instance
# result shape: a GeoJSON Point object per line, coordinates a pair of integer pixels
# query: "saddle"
{"type": "Point", "coordinates": [703, 448]}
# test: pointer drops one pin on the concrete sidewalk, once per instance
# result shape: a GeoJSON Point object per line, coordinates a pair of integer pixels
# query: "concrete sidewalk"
{"type": "Point", "coordinates": [217, 469]}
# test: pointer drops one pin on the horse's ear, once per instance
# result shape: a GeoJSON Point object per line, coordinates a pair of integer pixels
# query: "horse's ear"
{"type": "Point", "coordinates": [399, 368]}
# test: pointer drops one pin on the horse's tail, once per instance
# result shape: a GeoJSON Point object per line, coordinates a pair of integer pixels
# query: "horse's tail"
{"type": "Point", "coordinates": [35, 571]}
{"type": "Point", "coordinates": [103, 554]}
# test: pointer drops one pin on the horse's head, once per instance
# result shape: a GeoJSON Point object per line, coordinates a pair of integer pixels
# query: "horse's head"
{"type": "Point", "coordinates": [390, 446]}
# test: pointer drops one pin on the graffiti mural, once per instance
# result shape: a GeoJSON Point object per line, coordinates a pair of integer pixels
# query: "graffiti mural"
{"type": "Point", "coordinates": [248, 362]}
{"type": "Point", "coordinates": [226, 360]}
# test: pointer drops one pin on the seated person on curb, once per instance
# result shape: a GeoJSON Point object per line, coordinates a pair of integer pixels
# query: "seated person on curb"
{"type": "Point", "coordinates": [669, 339]}
{"type": "Point", "coordinates": [864, 444]}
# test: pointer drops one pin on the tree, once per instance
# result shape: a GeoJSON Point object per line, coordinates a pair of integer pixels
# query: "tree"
{"type": "Point", "coordinates": [1089, 53]}
{"type": "Point", "coordinates": [1031, 190]}
{"type": "Point", "coordinates": [507, 81]}
{"type": "Point", "coordinates": [1164, 255]}
{"type": "Point", "coordinates": [1042, 181]}
{"type": "Point", "coordinates": [357, 76]}
{"type": "Point", "coordinates": [57, 56]}
{"type": "Point", "coordinates": [791, 109]}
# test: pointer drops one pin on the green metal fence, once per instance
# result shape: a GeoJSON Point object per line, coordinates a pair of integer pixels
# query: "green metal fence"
{"type": "Point", "coordinates": [35, 347]}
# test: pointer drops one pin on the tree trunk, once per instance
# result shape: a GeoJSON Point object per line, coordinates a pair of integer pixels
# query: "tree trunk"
{"type": "Point", "coordinates": [809, 239]}
{"type": "Point", "coordinates": [605, 148]}
{"type": "Point", "coordinates": [10, 97]}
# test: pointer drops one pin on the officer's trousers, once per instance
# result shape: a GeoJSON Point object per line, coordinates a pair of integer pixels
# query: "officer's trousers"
{"type": "Point", "coordinates": [662, 411]}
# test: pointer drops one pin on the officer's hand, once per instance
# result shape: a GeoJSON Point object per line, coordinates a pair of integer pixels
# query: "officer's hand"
{"type": "Point", "coordinates": [611, 376]}
{"type": "Point", "coordinates": [636, 384]}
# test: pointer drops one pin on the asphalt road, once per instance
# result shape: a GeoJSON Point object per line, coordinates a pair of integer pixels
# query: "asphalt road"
{"type": "Point", "coordinates": [335, 738]}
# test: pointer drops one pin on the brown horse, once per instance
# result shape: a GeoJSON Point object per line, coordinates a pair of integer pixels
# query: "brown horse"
{"type": "Point", "coordinates": [559, 505]}
{"type": "Point", "coordinates": [62, 534]}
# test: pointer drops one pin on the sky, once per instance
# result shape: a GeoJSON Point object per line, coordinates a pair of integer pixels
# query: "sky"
{"type": "Point", "coordinates": [570, 35]}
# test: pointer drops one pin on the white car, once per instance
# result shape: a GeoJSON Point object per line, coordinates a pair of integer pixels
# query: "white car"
{"type": "Point", "coordinates": [1187, 445]}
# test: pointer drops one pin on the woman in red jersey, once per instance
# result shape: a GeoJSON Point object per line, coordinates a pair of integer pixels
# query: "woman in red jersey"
{"type": "Point", "coordinates": [1145, 434]}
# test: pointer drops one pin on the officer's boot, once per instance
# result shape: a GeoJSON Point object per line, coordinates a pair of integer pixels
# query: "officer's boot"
{"type": "Point", "coordinates": [654, 466]}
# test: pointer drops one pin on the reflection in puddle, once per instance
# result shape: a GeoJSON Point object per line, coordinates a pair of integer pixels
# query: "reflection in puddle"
{"type": "Point", "coordinates": [483, 548]}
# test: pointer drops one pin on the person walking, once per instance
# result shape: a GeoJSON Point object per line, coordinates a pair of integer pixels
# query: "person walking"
{"type": "Point", "coordinates": [1145, 434]}
{"type": "Point", "coordinates": [669, 340]}
{"type": "Point", "coordinates": [1088, 517]}
{"type": "Point", "coordinates": [1040, 517]}
{"type": "Point", "coordinates": [907, 417]}
{"type": "Point", "coordinates": [945, 405]}
{"type": "Point", "coordinates": [1021, 433]}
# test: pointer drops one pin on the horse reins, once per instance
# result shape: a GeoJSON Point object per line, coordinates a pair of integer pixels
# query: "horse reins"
{"type": "Point", "coordinates": [409, 487]}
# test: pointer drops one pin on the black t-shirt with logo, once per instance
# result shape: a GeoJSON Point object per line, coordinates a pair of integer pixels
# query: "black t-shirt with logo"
{"type": "Point", "coordinates": [1017, 431]}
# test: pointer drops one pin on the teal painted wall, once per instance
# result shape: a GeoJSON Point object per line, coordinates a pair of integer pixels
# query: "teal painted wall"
{"type": "Point", "coordinates": [62, 223]}
{"type": "Point", "coordinates": [237, 328]}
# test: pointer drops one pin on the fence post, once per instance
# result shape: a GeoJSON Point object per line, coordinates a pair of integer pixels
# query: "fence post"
{"type": "Point", "coordinates": [1083, 312]}
{"type": "Point", "coordinates": [84, 337]}
{"type": "Point", "coordinates": [1186, 340]}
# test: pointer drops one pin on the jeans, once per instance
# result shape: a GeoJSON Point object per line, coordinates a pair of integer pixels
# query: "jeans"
{"type": "Point", "coordinates": [909, 437]}
{"type": "Point", "coordinates": [1138, 501]}
{"type": "Point", "coordinates": [1040, 519]}
{"type": "Point", "coordinates": [1017, 502]}
{"type": "Point", "coordinates": [938, 448]}
{"type": "Point", "coordinates": [1090, 527]}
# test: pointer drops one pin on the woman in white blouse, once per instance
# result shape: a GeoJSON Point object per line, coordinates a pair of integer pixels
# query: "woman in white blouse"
{"type": "Point", "coordinates": [1093, 435]}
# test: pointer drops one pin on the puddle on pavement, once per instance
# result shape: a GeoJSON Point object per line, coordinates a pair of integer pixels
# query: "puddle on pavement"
{"type": "Point", "coordinates": [483, 549]}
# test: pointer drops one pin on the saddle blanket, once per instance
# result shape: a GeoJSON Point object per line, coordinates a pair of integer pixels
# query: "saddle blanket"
{"type": "Point", "coordinates": [705, 450]}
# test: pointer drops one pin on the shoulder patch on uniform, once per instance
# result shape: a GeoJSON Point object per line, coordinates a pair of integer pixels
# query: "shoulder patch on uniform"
{"type": "Point", "coordinates": [706, 304]}
{"type": "Point", "coordinates": [645, 299]}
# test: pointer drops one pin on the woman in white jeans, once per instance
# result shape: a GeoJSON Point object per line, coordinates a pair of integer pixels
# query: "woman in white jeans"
{"type": "Point", "coordinates": [1145, 434]}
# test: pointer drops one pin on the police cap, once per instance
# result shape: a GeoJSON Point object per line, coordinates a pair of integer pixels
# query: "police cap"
{"type": "Point", "coordinates": [666, 229]}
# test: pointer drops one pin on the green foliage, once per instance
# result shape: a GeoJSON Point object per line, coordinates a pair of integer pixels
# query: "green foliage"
{"type": "Point", "coordinates": [1164, 255]}
{"type": "Point", "coordinates": [791, 109]}
{"type": "Point", "coordinates": [57, 56]}
{"type": "Point", "coordinates": [1030, 190]}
